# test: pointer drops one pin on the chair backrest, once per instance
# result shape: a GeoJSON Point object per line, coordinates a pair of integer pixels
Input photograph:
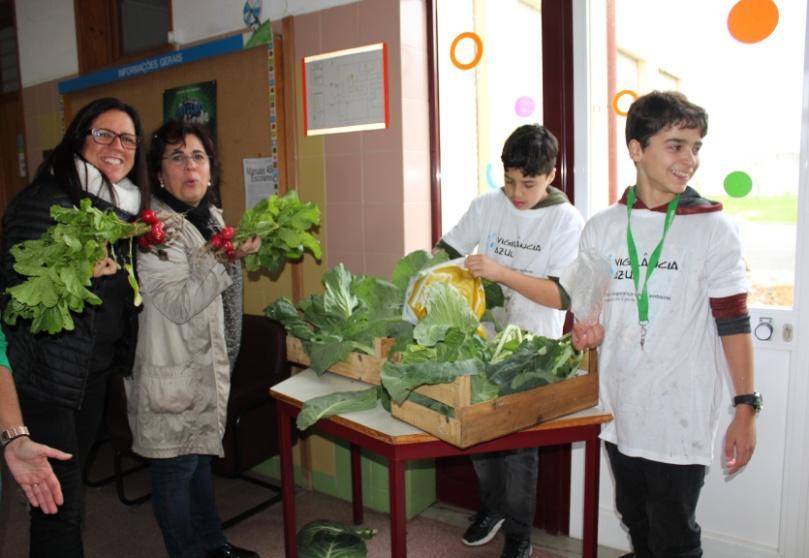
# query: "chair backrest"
{"type": "Point", "coordinates": [262, 360]}
{"type": "Point", "coordinates": [251, 435]}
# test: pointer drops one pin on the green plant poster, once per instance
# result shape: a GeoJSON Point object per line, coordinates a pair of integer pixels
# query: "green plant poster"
{"type": "Point", "coordinates": [192, 103]}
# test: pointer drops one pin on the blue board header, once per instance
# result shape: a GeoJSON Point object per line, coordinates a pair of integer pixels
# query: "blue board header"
{"type": "Point", "coordinates": [153, 64]}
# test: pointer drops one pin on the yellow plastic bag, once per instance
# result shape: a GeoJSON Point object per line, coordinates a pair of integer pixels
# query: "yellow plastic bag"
{"type": "Point", "coordinates": [452, 272]}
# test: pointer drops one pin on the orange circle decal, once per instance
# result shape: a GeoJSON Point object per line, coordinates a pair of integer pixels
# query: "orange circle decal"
{"type": "Point", "coordinates": [751, 21]}
{"type": "Point", "coordinates": [618, 97]}
{"type": "Point", "coordinates": [478, 50]}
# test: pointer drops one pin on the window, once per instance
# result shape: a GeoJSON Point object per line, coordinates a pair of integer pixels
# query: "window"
{"type": "Point", "coordinates": [144, 25]}
{"type": "Point", "coordinates": [752, 92]}
{"type": "Point", "coordinates": [480, 106]}
{"type": "Point", "coordinates": [112, 32]}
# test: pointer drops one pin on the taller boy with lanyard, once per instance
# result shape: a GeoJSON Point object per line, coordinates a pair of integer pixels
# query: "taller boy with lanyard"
{"type": "Point", "coordinates": [525, 235]}
{"type": "Point", "coordinates": [675, 322]}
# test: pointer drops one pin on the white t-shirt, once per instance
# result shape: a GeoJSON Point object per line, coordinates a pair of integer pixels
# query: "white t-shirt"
{"type": "Point", "coordinates": [537, 242]}
{"type": "Point", "coordinates": [666, 397]}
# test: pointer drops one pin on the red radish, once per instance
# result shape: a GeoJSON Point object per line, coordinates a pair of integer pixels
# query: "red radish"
{"type": "Point", "coordinates": [149, 216]}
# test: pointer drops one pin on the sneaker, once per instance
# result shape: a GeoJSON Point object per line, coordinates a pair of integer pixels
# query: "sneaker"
{"type": "Point", "coordinates": [517, 547]}
{"type": "Point", "coordinates": [483, 529]}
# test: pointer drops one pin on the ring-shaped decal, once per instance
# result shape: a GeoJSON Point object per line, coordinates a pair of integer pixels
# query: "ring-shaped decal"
{"type": "Point", "coordinates": [490, 177]}
{"type": "Point", "coordinates": [478, 50]}
{"type": "Point", "coordinates": [617, 98]}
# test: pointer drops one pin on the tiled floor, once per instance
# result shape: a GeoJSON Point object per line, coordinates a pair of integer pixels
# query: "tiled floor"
{"type": "Point", "coordinates": [115, 530]}
{"type": "Point", "coordinates": [564, 547]}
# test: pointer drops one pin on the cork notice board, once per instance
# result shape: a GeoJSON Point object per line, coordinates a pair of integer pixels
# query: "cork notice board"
{"type": "Point", "coordinates": [244, 126]}
{"type": "Point", "coordinates": [250, 113]}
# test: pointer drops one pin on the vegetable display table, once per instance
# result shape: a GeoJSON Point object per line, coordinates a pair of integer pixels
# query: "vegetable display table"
{"type": "Point", "coordinates": [377, 431]}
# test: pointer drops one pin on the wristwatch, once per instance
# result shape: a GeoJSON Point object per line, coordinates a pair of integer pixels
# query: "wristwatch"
{"type": "Point", "coordinates": [753, 399]}
{"type": "Point", "coordinates": [14, 432]}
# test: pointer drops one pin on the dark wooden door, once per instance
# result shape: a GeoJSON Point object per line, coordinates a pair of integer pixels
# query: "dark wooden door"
{"type": "Point", "coordinates": [13, 174]}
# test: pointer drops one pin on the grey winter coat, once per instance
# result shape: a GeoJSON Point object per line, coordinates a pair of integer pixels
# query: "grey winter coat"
{"type": "Point", "coordinates": [178, 393]}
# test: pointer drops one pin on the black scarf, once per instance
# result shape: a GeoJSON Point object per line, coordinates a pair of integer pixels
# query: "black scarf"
{"type": "Point", "coordinates": [199, 216]}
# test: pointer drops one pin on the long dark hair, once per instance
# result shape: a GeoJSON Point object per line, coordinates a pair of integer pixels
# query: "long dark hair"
{"type": "Point", "coordinates": [61, 163]}
{"type": "Point", "coordinates": [174, 132]}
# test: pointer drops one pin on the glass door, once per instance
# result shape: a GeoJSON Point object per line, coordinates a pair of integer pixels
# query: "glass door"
{"type": "Point", "coordinates": [744, 61]}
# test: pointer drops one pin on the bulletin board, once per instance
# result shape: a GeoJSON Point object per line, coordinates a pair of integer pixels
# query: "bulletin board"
{"type": "Point", "coordinates": [250, 114]}
{"type": "Point", "coordinates": [346, 90]}
{"type": "Point", "coordinates": [243, 110]}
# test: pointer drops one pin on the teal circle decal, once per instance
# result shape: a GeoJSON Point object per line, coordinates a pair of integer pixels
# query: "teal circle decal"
{"type": "Point", "coordinates": [489, 177]}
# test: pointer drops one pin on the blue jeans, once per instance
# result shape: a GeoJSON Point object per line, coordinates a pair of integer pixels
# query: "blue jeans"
{"type": "Point", "coordinates": [508, 487]}
{"type": "Point", "coordinates": [658, 502]}
{"type": "Point", "coordinates": [184, 505]}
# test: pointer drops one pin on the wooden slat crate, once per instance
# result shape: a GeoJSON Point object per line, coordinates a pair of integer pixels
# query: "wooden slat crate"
{"type": "Point", "coordinates": [357, 366]}
{"type": "Point", "coordinates": [480, 422]}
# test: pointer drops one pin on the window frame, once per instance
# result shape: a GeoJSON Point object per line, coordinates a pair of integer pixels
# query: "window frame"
{"type": "Point", "coordinates": [557, 98]}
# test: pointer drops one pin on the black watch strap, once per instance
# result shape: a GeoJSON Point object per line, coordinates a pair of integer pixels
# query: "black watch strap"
{"type": "Point", "coordinates": [753, 399]}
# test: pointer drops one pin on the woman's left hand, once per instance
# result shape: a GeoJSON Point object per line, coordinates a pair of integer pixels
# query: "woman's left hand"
{"type": "Point", "coordinates": [28, 463]}
{"type": "Point", "coordinates": [249, 246]}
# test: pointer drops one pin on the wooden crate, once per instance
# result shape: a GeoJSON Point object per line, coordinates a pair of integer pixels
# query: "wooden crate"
{"type": "Point", "coordinates": [357, 366]}
{"type": "Point", "coordinates": [480, 422]}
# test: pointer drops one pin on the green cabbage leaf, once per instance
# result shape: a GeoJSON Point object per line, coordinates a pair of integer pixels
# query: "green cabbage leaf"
{"type": "Point", "coordinates": [329, 539]}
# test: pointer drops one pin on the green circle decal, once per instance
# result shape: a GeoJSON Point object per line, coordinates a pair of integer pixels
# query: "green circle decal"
{"type": "Point", "coordinates": [738, 184]}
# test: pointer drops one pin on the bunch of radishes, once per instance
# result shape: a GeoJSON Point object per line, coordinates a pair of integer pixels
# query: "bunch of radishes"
{"type": "Point", "coordinates": [157, 235]}
{"type": "Point", "coordinates": [223, 240]}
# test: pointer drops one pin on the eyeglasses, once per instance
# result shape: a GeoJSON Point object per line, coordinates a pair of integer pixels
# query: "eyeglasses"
{"type": "Point", "coordinates": [107, 137]}
{"type": "Point", "coordinates": [181, 159]}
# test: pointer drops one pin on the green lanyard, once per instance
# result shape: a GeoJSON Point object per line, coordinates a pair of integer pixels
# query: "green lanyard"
{"type": "Point", "coordinates": [642, 295]}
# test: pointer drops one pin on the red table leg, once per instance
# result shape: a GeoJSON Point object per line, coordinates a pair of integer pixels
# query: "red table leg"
{"type": "Point", "coordinates": [287, 479]}
{"type": "Point", "coordinates": [592, 453]}
{"type": "Point", "coordinates": [398, 511]}
{"type": "Point", "coordinates": [356, 483]}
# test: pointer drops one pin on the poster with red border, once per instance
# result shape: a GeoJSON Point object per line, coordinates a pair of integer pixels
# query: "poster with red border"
{"type": "Point", "coordinates": [346, 90]}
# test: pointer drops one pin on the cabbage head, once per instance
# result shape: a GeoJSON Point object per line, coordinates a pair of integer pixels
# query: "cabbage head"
{"type": "Point", "coordinates": [328, 539]}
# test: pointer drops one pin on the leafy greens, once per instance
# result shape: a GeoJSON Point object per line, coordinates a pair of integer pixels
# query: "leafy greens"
{"type": "Point", "coordinates": [329, 539]}
{"type": "Point", "coordinates": [283, 224]}
{"type": "Point", "coordinates": [446, 344]}
{"type": "Point", "coordinates": [334, 404]}
{"type": "Point", "coordinates": [58, 266]}
{"type": "Point", "coordinates": [351, 313]}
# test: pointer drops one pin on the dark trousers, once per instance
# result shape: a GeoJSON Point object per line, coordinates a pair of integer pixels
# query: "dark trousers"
{"type": "Point", "coordinates": [508, 487]}
{"type": "Point", "coordinates": [657, 502]}
{"type": "Point", "coordinates": [72, 431]}
{"type": "Point", "coordinates": [184, 505]}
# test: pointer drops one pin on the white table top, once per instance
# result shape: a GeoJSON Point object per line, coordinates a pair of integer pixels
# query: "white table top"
{"type": "Point", "coordinates": [307, 385]}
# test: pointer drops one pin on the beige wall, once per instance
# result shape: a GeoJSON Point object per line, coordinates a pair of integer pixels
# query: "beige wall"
{"type": "Point", "coordinates": [375, 184]}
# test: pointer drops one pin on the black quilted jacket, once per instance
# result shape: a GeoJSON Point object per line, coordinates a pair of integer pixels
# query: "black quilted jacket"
{"type": "Point", "coordinates": [56, 368]}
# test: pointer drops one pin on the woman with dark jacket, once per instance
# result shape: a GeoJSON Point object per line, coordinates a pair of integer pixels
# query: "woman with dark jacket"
{"type": "Point", "coordinates": [61, 379]}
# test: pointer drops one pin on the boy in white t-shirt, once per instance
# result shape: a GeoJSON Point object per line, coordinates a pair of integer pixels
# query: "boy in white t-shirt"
{"type": "Point", "coordinates": [675, 322]}
{"type": "Point", "coordinates": [525, 235]}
